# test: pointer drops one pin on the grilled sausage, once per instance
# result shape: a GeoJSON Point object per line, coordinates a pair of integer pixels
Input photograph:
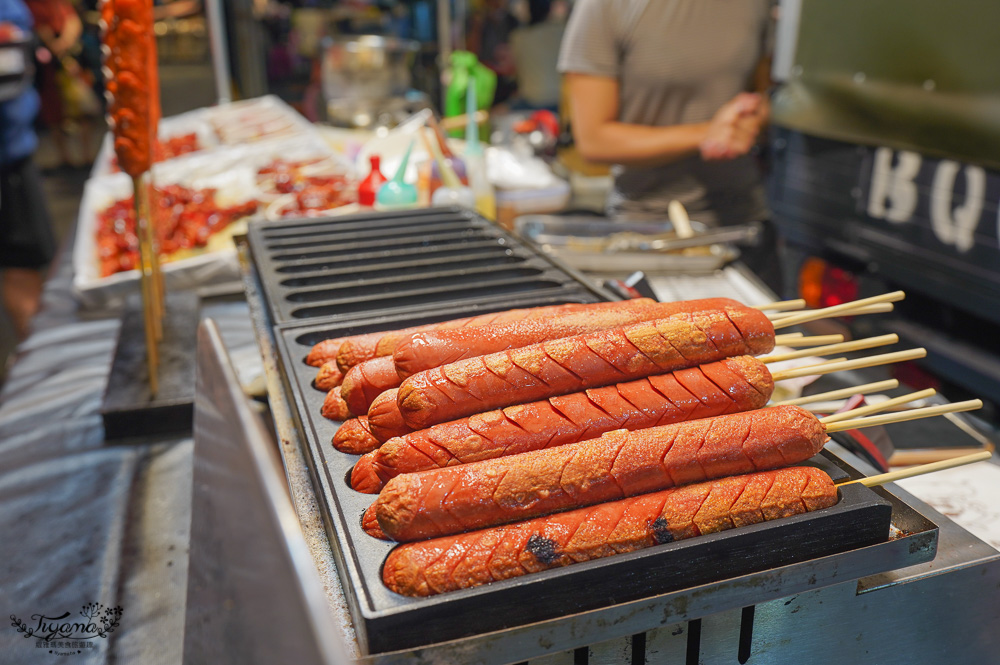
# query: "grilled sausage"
{"type": "Point", "coordinates": [366, 381]}
{"type": "Point", "coordinates": [572, 364]}
{"type": "Point", "coordinates": [726, 386]}
{"type": "Point", "coordinates": [434, 348]}
{"type": "Point", "coordinates": [439, 502]}
{"type": "Point", "coordinates": [384, 417]}
{"type": "Point", "coordinates": [326, 351]}
{"type": "Point", "coordinates": [355, 437]}
{"type": "Point", "coordinates": [370, 525]}
{"type": "Point", "coordinates": [355, 351]}
{"type": "Point", "coordinates": [329, 376]}
{"type": "Point", "coordinates": [490, 555]}
{"type": "Point", "coordinates": [334, 407]}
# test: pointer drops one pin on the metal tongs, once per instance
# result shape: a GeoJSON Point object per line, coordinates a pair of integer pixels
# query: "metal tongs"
{"type": "Point", "coordinates": [682, 237]}
{"type": "Point", "coordinates": [744, 234]}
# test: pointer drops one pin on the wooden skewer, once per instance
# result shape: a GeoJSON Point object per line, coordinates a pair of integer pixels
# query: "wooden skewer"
{"type": "Point", "coordinates": [459, 121]}
{"type": "Point", "coordinates": [814, 340]}
{"type": "Point", "coordinates": [155, 276]}
{"type": "Point", "coordinates": [149, 308]}
{"type": "Point", "coordinates": [792, 335]}
{"type": "Point", "coordinates": [845, 309]}
{"type": "Point", "coordinates": [840, 365]}
{"type": "Point", "coordinates": [782, 305]}
{"type": "Point", "coordinates": [912, 414]}
{"type": "Point", "coordinates": [840, 394]}
{"type": "Point", "coordinates": [884, 405]}
{"type": "Point", "coordinates": [893, 476]}
{"type": "Point", "coordinates": [844, 347]}
{"type": "Point", "coordinates": [877, 308]}
{"type": "Point", "coordinates": [161, 291]}
{"type": "Point", "coordinates": [778, 319]}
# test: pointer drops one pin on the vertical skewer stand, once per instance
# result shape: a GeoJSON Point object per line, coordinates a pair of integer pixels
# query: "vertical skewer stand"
{"type": "Point", "coordinates": [151, 387]}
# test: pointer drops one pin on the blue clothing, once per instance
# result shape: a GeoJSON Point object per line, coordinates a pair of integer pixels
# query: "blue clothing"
{"type": "Point", "coordinates": [17, 116]}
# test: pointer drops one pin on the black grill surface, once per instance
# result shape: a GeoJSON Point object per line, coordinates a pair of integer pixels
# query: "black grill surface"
{"type": "Point", "coordinates": [360, 265]}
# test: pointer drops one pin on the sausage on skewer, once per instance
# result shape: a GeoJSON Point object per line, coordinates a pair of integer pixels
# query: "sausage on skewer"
{"type": "Point", "coordinates": [334, 407]}
{"type": "Point", "coordinates": [731, 385]}
{"type": "Point", "coordinates": [357, 350]}
{"type": "Point", "coordinates": [366, 381]}
{"type": "Point", "coordinates": [439, 346]}
{"type": "Point", "coordinates": [575, 363]}
{"type": "Point", "coordinates": [326, 351]}
{"type": "Point", "coordinates": [329, 376]}
{"type": "Point", "coordinates": [440, 502]}
{"type": "Point", "coordinates": [384, 418]}
{"type": "Point", "coordinates": [434, 348]}
{"type": "Point", "coordinates": [490, 555]}
{"type": "Point", "coordinates": [355, 437]}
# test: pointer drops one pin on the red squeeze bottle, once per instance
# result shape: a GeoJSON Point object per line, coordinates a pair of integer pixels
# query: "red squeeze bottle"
{"type": "Point", "coordinates": [369, 186]}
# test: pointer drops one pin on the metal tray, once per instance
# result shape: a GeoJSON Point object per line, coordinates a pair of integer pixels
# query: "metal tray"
{"type": "Point", "coordinates": [386, 621]}
{"type": "Point", "coordinates": [358, 265]}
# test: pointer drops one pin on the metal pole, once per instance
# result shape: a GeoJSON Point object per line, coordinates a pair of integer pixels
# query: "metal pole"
{"type": "Point", "coordinates": [220, 58]}
{"type": "Point", "coordinates": [444, 42]}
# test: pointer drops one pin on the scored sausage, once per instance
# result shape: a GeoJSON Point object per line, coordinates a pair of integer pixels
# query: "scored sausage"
{"type": "Point", "coordinates": [334, 407]}
{"type": "Point", "coordinates": [470, 559]}
{"type": "Point", "coordinates": [369, 523]}
{"type": "Point", "coordinates": [433, 348]}
{"type": "Point", "coordinates": [584, 361]}
{"type": "Point", "coordinates": [354, 351]}
{"type": "Point", "coordinates": [440, 502]}
{"type": "Point", "coordinates": [326, 351]}
{"type": "Point", "coordinates": [329, 376]}
{"type": "Point", "coordinates": [385, 418]}
{"type": "Point", "coordinates": [355, 437]}
{"type": "Point", "coordinates": [730, 385]}
{"type": "Point", "coordinates": [366, 381]}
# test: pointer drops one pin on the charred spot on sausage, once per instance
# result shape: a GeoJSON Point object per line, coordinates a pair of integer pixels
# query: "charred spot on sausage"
{"type": "Point", "coordinates": [661, 531]}
{"type": "Point", "coordinates": [543, 549]}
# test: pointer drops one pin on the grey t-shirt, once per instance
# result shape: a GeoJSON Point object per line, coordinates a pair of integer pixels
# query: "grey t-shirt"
{"type": "Point", "coordinates": [677, 62]}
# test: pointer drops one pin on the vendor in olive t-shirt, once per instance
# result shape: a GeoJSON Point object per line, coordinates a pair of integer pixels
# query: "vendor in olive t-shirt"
{"type": "Point", "coordinates": [660, 89]}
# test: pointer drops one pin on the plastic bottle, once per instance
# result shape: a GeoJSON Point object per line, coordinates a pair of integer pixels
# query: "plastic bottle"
{"type": "Point", "coordinates": [368, 188]}
{"type": "Point", "coordinates": [452, 192]}
{"type": "Point", "coordinates": [396, 194]}
{"type": "Point", "coordinates": [456, 163]}
{"type": "Point", "coordinates": [475, 161]}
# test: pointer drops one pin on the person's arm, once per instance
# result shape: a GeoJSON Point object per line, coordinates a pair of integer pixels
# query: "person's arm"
{"type": "Point", "coordinates": [176, 9]}
{"type": "Point", "coordinates": [600, 137]}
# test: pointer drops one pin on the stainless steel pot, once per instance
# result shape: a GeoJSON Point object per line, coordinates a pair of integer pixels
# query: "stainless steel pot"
{"type": "Point", "coordinates": [363, 74]}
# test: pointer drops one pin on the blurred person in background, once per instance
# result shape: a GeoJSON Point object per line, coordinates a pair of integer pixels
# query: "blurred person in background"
{"type": "Point", "coordinates": [536, 53]}
{"type": "Point", "coordinates": [673, 93]}
{"type": "Point", "coordinates": [69, 105]}
{"type": "Point", "coordinates": [26, 240]}
{"type": "Point", "coordinates": [488, 34]}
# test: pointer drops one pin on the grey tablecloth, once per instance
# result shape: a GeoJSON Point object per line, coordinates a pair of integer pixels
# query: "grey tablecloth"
{"type": "Point", "coordinates": [82, 521]}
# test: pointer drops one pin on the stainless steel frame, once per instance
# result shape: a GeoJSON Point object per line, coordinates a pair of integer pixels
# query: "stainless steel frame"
{"type": "Point", "coordinates": [818, 611]}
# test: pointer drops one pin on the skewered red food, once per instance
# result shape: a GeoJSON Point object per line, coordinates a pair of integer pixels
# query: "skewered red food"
{"type": "Point", "coordinates": [134, 107]}
{"type": "Point", "coordinates": [470, 559]}
{"type": "Point", "coordinates": [575, 363]}
{"type": "Point", "coordinates": [439, 502]}
{"type": "Point", "coordinates": [731, 385]}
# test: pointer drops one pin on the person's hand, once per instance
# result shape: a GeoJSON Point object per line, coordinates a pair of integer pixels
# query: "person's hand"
{"type": "Point", "coordinates": [735, 127]}
{"type": "Point", "coordinates": [60, 46]}
{"type": "Point", "coordinates": [71, 66]}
